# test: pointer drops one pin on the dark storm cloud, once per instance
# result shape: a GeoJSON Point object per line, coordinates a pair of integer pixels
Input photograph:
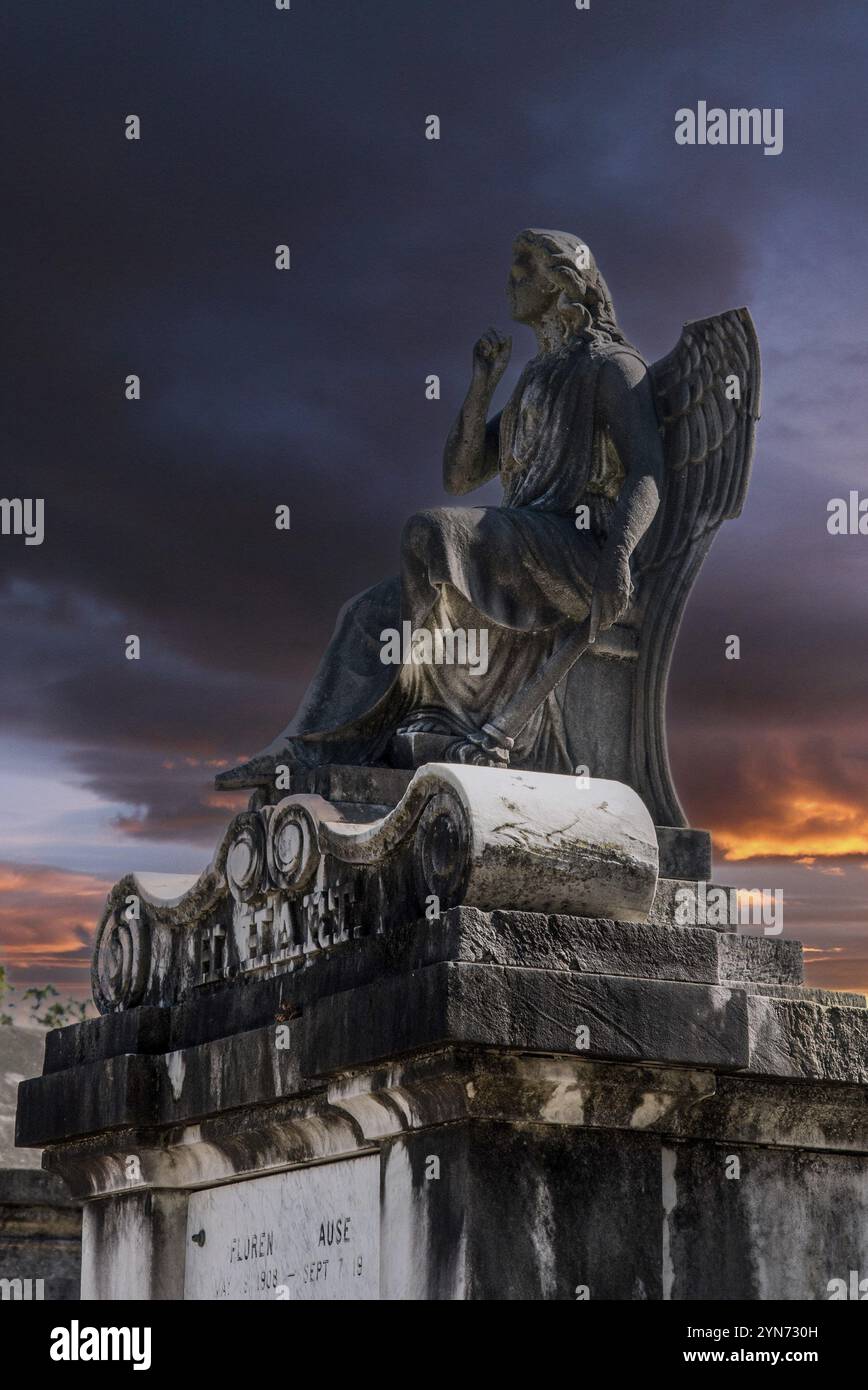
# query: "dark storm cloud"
{"type": "Point", "coordinates": [306, 388]}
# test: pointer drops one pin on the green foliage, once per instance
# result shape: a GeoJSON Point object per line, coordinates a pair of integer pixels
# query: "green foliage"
{"type": "Point", "coordinates": [46, 1006]}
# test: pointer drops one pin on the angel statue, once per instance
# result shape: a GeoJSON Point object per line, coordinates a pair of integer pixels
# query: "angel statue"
{"type": "Point", "coordinates": [616, 476]}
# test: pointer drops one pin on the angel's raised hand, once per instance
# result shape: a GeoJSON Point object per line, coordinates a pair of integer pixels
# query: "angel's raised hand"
{"type": "Point", "coordinates": [491, 356]}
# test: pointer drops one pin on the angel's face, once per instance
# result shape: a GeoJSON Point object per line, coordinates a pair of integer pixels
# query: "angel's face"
{"type": "Point", "coordinates": [529, 289]}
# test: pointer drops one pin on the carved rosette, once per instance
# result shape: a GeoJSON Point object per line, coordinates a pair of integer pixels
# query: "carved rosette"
{"type": "Point", "coordinates": [245, 857]}
{"type": "Point", "coordinates": [121, 962]}
{"type": "Point", "coordinates": [442, 849]}
{"type": "Point", "coordinates": [292, 849]}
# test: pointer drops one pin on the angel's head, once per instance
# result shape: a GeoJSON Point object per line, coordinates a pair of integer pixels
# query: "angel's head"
{"type": "Point", "coordinates": [554, 276]}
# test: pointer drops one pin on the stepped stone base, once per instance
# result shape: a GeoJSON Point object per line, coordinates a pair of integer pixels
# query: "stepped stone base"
{"type": "Point", "coordinates": [321, 1074]}
{"type": "Point", "coordinates": [494, 1105]}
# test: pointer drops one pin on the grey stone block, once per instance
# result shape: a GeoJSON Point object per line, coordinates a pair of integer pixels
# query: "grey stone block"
{"type": "Point", "coordinates": [591, 946]}
{"type": "Point", "coordinates": [789, 1038]}
{"type": "Point", "coordinates": [773, 960]}
{"type": "Point", "coordinates": [535, 1208]}
{"type": "Point", "coordinates": [531, 1010]}
{"type": "Point", "coordinates": [118, 1092]}
{"type": "Point", "coordinates": [684, 853]}
{"type": "Point", "coordinates": [369, 786]}
{"type": "Point", "coordinates": [787, 1226]}
{"type": "Point", "coordinates": [663, 909]}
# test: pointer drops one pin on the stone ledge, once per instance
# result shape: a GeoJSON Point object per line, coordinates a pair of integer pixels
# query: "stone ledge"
{"type": "Point", "coordinates": [32, 1187]}
{"type": "Point", "coordinates": [515, 939]}
{"type": "Point", "coordinates": [462, 1003]}
{"type": "Point", "coordinates": [526, 1009]}
{"type": "Point", "coordinates": [359, 1111]}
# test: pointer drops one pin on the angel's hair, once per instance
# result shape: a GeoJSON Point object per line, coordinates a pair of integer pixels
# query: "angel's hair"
{"type": "Point", "coordinates": [584, 304]}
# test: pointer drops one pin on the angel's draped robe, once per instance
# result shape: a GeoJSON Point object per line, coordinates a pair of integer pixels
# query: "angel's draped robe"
{"type": "Point", "coordinates": [524, 571]}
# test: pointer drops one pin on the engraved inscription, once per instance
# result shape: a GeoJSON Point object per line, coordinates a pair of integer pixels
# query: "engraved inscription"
{"type": "Point", "coordinates": [311, 1233]}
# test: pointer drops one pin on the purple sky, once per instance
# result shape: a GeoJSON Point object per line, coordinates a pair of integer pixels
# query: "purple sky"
{"type": "Point", "coordinates": [307, 388]}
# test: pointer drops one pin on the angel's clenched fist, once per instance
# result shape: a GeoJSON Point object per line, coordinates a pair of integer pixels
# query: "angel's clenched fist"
{"type": "Point", "coordinates": [491, 355]}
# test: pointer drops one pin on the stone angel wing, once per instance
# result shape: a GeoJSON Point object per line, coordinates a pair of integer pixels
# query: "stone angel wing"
{"type": "Point", "coordinates": [707, 391]}
{"type": "Point", "coordinates": [708, 397]}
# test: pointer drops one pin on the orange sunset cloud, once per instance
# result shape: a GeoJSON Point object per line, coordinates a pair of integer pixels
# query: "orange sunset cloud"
{"type": "Point", "coordinates": [47, 917]}
{"type": "Point", "coordinates": [804, 827]}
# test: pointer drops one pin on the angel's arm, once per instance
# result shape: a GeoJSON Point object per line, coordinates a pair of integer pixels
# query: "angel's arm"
{"type": "Point", "coordinates": [626, 406]}
{"type": "Point", "coordinates": [626, 403]}
{"type": "Point", "coordinates": [472, 452]}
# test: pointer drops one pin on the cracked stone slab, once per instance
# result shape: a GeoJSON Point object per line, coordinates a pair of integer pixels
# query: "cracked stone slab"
{"type": "Point", "coordinates": [789, 1038]}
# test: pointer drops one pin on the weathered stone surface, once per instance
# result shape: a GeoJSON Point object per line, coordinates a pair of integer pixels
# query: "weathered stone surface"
{"type": "Point", "coordinates": [832, 998]}
{"type": "Point", "coordinates": [303, 876]}
{"type": "Point", "coordinates": [309, 1235]}
{"type": "Point", "coordinates": [627, 1017]}
{"type": "Point", "coordinates": [554, 943]}
{"type": "Point", "coordinates": [790, 1038]}
{"type": "Point", "coordinates": [506, 938]}
{"type": "Point", "coordinates": [145, 1233]}
{"type": "Point", "coordinates": [104, 1095]}
{"type": "Point", "coordinates": [344, 783]}
{"type": "Point", "coordinates": [529, 1010]}
{"type": "Point", "coordinates": [40, 1223]}
{"type": "Point", "coordinates": [684, 853]}
{"type": "Point", "coordinates": [791, 1224]}
{"type": "Point", "coordinates": [774, 960]}
{"type": "Point", "coordinates": [142, 1030]}
{"type": "Point", "coordinates": [447, 1085]}
{"type": "Point", "coordinates": [560, 1235]}
{"type": "Point", "coordinates": [522, 1201]}
{"type": "Point", "coordinates": [456, 982]}
{"type": "Point", "coordinates": [553, 1232]}
{"type": "Point", "coordinates": [566, 1067]}
{"type": "Point", "coordinates": [499, 1173]}
{"type": "Point", "coordinates": [664, 909]}
{"type": "Point", "coordinates": [40, 1233]}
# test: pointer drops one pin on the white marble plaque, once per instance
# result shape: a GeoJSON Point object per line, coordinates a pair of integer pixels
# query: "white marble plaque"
{"type": "Point", "coordinates": [312, 1233]}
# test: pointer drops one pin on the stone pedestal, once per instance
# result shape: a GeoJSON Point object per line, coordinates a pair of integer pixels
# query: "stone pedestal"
{"type": "Point", "coordinates": [409, 1117]}
{"type": "Point", "coordinates": [474, 1102]}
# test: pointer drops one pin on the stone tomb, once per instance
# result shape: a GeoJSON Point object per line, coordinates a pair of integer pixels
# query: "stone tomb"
{"type": "Point", "coordinates": [525, 1094]}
